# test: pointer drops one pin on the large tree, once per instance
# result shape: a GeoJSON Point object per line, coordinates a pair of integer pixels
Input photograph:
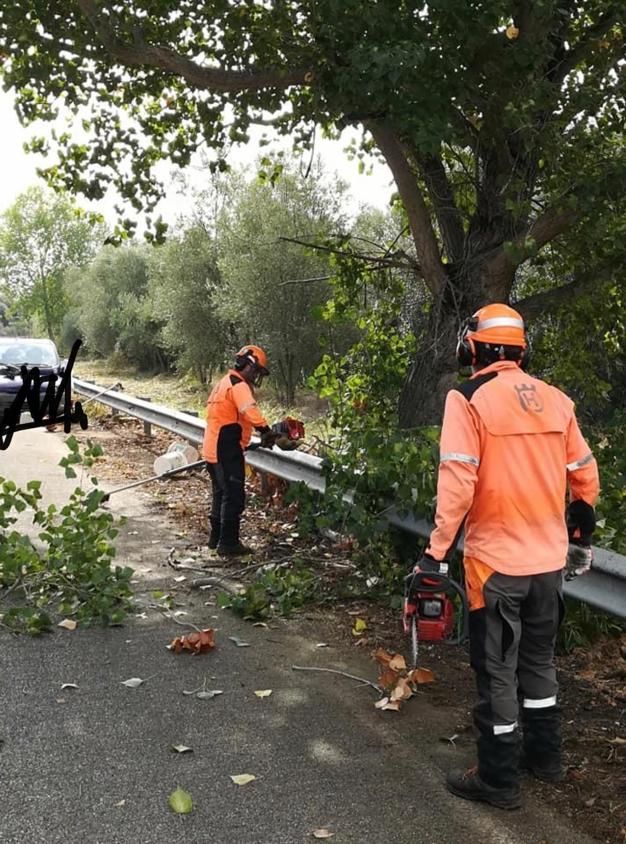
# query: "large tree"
{"type": "Point", "coordinates": [271, 286]}
{"type": "Point", "coordinates": [499, 119]}
{"type": "Point", "coordinates": [42, 235]}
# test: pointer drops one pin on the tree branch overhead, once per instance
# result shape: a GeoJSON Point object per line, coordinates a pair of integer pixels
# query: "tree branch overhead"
{"type": "Point", "coordinates": [142, 54]}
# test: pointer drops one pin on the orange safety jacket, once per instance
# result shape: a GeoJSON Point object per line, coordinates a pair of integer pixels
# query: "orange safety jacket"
{"type": "Point", "coordinates": [231, 414]}
{"type": "Point", "coordinates": [510, 444]}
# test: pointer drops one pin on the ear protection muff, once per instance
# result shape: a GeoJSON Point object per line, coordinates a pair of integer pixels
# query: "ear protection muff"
{"type": "Point", "coordinates": [465, 346]}
{"type": "Point", "coordinates": [466, 353]}
{"type": "Point", "coordinates": [524, 358]}
{"type": "Point", "coordinates": [241, 361]}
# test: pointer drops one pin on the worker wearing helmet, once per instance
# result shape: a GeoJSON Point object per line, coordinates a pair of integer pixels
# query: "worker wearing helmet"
{"type": "Point", "coordinates": [232, 414]}
{"type": "Point", "coordinates": [510, 448]}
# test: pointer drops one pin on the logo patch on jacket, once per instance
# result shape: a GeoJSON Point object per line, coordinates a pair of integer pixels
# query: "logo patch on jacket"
{"type": "Point", "coordinates": [529, 397]}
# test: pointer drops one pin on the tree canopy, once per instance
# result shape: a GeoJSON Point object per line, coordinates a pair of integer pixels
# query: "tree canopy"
{"type": "Point", "coordinates": [41, 235]}
{"type": "Point", "coordinates": [501, 120]}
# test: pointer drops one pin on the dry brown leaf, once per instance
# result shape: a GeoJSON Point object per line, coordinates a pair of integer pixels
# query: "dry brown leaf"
{"type": "Point", "coordinates": [68, 624]}
{"type": "Point", "coordinates": [195, 643]}
{"type": "Point", "coordinates": [397, 663]}
{"type": "Point", "coordinates": [388, 679]}
{"type": "Point", "coordinates": [322, 833]}
{"type": "Point", "coordinates": [402, 690]}
{"type": "Point", "coordinates": [381, 656]}
{"type": "Point", "coordinates": [421, 675]}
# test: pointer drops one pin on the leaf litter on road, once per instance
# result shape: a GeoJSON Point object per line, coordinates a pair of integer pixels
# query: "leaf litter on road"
{"type": "Point", "coordinates": [194, 643]}
{"type": "Point", "coordinates": [242, 779]}
{"type": "Point", "coordinates": [202, 693]}
{"type": "Point", "coordinates": [133, 682]}
{"type": "Point", "coordinates": [396, 680]}
{"type": "Point", "coordinates": [180, 801]}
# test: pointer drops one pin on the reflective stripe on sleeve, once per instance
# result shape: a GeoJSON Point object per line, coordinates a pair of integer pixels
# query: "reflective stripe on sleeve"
{"type": "Point", "coordinates": [500, 729]}
{"type": "Point", "coordinates": [539, 703]}
{"type": "Point", "coordinates": [459, 458]}
{"type": "Point", "coordinates": [246, 406]}
{"type": "Point", "coordinates": [578, 464]}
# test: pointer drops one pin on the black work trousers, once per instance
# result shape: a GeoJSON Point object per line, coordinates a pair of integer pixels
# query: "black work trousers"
{"type": "Point", "coordinates": [228, 495]}
{"type": "Point", "coordinates": [512, 641]}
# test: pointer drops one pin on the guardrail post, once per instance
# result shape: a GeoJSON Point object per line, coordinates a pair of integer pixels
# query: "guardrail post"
{"type": "Point", "coordinates": [147, 426]}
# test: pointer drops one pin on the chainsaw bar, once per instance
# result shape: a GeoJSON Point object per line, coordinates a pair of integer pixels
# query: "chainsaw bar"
{"type": "Point", "coordinates": [414, 642]}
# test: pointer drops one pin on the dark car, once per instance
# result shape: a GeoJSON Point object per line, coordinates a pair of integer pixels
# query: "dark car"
{"type": "Point", "coordinates": [18, 351]}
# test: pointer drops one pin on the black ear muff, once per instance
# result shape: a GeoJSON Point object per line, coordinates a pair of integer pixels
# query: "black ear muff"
{"type": "Point", "coordinates": [241, 361]}
{"type": "Point", "coordinates": [465, 346]}
{"type": "Point", "coordinates": [524, 358]}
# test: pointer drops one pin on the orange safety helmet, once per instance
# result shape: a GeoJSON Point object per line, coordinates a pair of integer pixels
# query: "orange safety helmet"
{"type": "Point", "coordinates": [497, 326]}
{"type": "Point", "coordinates": [252, 356]}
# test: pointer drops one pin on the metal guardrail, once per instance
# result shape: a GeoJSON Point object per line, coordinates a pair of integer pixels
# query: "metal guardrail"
{"type": "Point", "coordinates": [603, 588]}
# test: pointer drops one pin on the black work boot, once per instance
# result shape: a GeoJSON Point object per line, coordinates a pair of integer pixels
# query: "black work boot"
{"type": "Point", "coordinates": [469, 786]}
{"type": "Point", "coordinates": [214, 536]}
{"type": "Point", "coordinates": [239, 550]}
{"type": "Point", "coordinates": [229, 544]}
{"type": "Point", "coordinates": [541, 754]}
{"type": "Point", "coordinates": [495, 780]}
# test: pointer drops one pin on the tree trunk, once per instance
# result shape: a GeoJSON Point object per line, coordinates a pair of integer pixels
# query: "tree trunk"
{"type": "Point", "coordinates": [432, 373]}
{"type": "Point", "coordinates": [435, 370]}
{"type": "Point", "coordinates": [47, 309]}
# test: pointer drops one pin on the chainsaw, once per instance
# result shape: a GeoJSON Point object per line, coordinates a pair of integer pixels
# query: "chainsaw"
{"type": "Point", "coordinates": [429, 611]}
{"type": "Point", "coordinates": [289, 432]}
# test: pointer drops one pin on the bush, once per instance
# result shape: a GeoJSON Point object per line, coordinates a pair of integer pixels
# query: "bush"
{"type": "Point", "coordinates": [70, 570]}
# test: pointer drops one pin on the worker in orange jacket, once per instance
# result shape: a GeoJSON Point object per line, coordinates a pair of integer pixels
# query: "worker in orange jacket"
{"type": "Point", "coordinates": [232, 414]}
{"type": "Point", "coordinates": [510, 448]}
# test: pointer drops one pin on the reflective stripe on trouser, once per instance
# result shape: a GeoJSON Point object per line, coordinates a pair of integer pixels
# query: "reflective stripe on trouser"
{"type": "Point", "coordinates": [512, 639]}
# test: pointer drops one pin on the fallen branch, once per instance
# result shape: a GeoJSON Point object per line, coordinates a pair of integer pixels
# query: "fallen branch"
{"type": "Point", "coordinates": [199, 582]}
{"type": "Point", "coordinates": [361, 680]}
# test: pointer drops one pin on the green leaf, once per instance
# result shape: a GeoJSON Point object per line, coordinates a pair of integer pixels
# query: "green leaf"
{"type": "Point", "coordinates": [180, 801]}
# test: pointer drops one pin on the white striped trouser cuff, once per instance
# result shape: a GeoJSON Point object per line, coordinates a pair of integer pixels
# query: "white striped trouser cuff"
{"type": "Point", "coordinates": [539, 703]}
{"type": "Point", "coordinates": [500, 729]}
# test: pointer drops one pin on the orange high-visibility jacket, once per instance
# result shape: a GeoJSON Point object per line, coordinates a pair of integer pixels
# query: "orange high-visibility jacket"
{"type": "Point", "coordinates": [510, 444]}
{"type": "Point", "coordinates": [231, 414]}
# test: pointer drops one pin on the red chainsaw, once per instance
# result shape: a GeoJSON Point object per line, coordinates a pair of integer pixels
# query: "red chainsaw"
{"type": "Point", "coordinates": [290, 432]}
{"type": "Point", "coordinates": [429, 611]}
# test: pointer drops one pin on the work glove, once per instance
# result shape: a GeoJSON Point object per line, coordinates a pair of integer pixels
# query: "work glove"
{"type": "Point", "coordinates": [286, 443]}
{"type": "Point", "coordinates": [425, 564]}
{"type": "Point", "coordinates": [581, 523]}
{"type": "Point", "coordinates": [579, 560]}
{"type": "Point", "coordinates": [268, 437]}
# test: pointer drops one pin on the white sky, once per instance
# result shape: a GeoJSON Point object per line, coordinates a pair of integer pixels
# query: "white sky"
{"type": "Point", "coordinates": [18, 170]}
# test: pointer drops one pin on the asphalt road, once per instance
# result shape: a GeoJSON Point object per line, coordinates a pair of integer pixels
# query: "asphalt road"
{"type": "Point", "coordinates": [95, 765]}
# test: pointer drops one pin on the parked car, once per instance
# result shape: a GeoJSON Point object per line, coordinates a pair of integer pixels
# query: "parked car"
{"type": "Point", "coordinates": [18, 351]}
